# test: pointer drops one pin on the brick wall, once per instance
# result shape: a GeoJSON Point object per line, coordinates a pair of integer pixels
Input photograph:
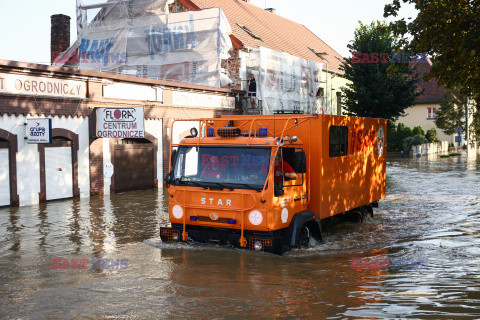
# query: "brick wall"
{"type": "Point", "coordinates": [232, 65]}
{"type": "Point", "coordinates": [96, 159]}
{"type": "Point", "coordinates": [176, 6]}
{"type": "Point", "coordinates": [60, 34]}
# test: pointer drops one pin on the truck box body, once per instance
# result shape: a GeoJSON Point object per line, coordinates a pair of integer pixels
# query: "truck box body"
{"type": "Point", "coordinates": [343, 159]}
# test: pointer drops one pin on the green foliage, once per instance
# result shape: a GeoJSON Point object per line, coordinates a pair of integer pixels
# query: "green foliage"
{"type": "Point", "coordinates": [397, 134]}
{"type": "Point", "coordinates": [374, 91]}
{"type": "Point", "coordinates": [475, 126]}
{"type": "Point", "coordinates": [418, 131]}
{"type": "Point", "coordinates": [431, 135]}
{"type": "Point", "coordinates": [451, 114]}
{"type": "Point", "coordinates": [391, 135]}
{"type": "Point", "coordinates": [413, 141]}
{"type": "Point", "coordinates": [400, 137]}
{"type": "Point", "coordinates": [448, 31]}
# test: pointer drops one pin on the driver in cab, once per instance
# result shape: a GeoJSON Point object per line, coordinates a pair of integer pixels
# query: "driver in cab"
{"type": "Point", "coordinates": [287, 171]}
{"type": "Point", "coordinates": [212, 169]}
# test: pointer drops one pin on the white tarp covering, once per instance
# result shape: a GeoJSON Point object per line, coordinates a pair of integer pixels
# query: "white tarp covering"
{"type": "Point", "coordinates": [285, 82]}
{"type": "Point", "coordinates": [138, 38]}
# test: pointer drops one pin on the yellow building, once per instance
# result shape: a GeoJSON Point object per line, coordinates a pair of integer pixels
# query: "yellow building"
{"type": "Point", "coordinates": [423, 113]}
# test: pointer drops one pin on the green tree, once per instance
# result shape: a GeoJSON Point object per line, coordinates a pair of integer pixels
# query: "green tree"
{"type": "Point", "coordinates": [431, 135]}
{"type": "Point", "coordinates": [397, 134]}
{"type": "Point", "coordinates": [373, 91]}
{"type": "Point", "coordinates": [451, 113]}
{"type": "Point", "coordinates": [413, 141]}
{"type": "Point", "coordinates": [418, 130]}
{"type": "Point", "coordinates": [447, 30]}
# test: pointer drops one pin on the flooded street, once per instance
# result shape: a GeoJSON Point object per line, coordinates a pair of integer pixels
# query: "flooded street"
{"type": "Point", "coordinates": [418, 258]}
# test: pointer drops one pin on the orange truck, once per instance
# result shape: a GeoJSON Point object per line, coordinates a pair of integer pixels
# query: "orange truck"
{"type": "Point", "coordinates": [266, 183]}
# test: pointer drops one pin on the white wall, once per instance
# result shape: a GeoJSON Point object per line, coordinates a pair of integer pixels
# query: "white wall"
{"type": "Point", "coordinates": [28, 160]}
{"type": "Point", "coordinates": [155, 128]}
{"type": "Point", "coordinates": [107, 162]}
{"type": "Point", "coordinates": [430, 148]}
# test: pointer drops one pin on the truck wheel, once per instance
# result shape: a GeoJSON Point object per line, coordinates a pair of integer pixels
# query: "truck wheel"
{"type": "Point", "coordinates": [367, 215]}
{"type": "Point", "coordinates": [303, 237]}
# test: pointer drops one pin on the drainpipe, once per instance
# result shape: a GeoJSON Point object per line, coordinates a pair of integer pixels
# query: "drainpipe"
{"type": "Point", "coordinates": [467, 131]}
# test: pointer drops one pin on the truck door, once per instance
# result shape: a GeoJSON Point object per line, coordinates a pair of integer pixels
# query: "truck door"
{"type": "Point", "coordinates": [292, 193]}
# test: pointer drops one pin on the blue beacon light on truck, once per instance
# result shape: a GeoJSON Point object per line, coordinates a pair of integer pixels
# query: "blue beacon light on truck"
{"type": "Point", "coordinates": [210, 132]}
{"type": "Point", "coordinates": [262, 132]}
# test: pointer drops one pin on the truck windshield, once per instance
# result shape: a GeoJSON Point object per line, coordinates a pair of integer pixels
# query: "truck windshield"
{"type": "Point", "coordinates": [222, 167]}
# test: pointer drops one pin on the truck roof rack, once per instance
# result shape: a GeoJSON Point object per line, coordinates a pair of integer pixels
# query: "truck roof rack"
{"type": "Point", "coordinates": [287, 112]}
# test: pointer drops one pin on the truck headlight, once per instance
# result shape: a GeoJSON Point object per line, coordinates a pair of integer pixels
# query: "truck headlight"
{"type": "Point", "coordinates": [255, 217]}
{"type": "Point", "coordinates": [177, 211]}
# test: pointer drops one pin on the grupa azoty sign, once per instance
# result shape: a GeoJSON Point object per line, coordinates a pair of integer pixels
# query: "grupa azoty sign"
{"type": "Point", "coordinates": [120, 123]}
{"type": "Point", "coordinates": [39, 130]}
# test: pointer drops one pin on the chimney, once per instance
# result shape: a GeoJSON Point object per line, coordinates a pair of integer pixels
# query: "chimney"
{"type": "Point", "coordinates": [60, 35]}
{"type": "Point", "coordinates": [272, 10]}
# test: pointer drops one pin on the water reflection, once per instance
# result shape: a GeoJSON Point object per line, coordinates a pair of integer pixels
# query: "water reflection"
{"type": "Point", "coordinates": [432, 211]}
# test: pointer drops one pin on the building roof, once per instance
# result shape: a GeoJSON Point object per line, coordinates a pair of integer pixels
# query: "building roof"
{"type": "Point", "coordinates": [255, 27]}
{"type": "Point", "coordinates": [432, 91]}
{"type": "Point", "coordinates": [47, 70]}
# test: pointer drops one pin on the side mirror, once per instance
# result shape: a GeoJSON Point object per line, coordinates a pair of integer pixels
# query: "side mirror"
{"type": "Point", "coordinates": [168, 179]}
{"type": "Point", "coordinates": [300, 162]}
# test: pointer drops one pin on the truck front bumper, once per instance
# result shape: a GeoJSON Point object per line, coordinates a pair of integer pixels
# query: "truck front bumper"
{"type": "Point", "coordinates": [268, 241]}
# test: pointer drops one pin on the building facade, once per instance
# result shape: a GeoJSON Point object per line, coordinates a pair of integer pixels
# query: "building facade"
{"type": "Point", "coordinates": [294, 69]}
{"type": "Point", "coordinates": [254, 28]}
{"type": "Point", "coordinates": [77, 162]}
{"type": "Point", "coordinates": [423, 112]}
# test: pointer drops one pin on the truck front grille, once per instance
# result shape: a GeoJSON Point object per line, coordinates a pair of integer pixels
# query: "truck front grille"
{"type": "Point", "coordinates": [172, 235]}
{"type": "Point", "coordinates": [208, 219]}
{"type": "Point", "coordinates": [264, 242]}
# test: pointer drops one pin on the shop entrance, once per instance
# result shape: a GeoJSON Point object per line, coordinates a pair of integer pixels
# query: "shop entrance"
{"type": "Point", "coordinates": [59, 169]}
{"type": "Point", "coordinates": [134, 165]}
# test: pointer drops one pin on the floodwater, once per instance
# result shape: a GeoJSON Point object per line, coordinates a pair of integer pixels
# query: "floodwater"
{"type": "Point", "coordinates": [418, 258]}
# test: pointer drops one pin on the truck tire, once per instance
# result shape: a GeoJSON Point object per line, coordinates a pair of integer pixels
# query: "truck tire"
{"type": "Point", "coordinates": [367, 214]}
{"type": "Point", "coordinates": [303, 237]}
{"type": "Point", "coordinates": [303, 228]}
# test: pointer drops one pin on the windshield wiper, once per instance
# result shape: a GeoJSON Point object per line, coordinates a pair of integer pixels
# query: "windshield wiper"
{"type": "Point", "coordinates": [249, 186]}
{"type": "Point", "coordinates": [220, 185]}
{"type": "Point", "coordinates": [195, 183]}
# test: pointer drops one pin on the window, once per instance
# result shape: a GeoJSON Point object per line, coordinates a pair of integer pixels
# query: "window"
{"type": "Point", "coordinates": [225, 167]}
{"type": "Point", "coordinates": [431, 113]}
{"type": "Point", "coordinates": [338, 141]}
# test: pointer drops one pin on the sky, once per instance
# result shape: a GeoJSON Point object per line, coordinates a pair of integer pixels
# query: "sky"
{"type": "Point", "coordinates": [25, 24]}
